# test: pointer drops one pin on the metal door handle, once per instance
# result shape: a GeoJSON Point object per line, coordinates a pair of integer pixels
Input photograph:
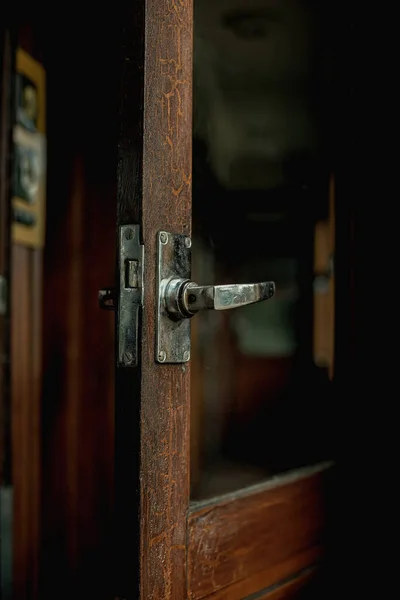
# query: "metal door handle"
{"type": "Point", "coordinates": [179, 298]}
{"type": "Point", "coordinates": [184, 298]}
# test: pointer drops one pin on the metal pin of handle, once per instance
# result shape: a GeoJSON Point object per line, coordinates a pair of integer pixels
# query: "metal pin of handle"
{"type": "Point", "coordinates": [184, 298]}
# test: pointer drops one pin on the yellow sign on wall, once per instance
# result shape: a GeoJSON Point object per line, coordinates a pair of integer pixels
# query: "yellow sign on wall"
{"type": "Point", "coordinates": [29, 168]}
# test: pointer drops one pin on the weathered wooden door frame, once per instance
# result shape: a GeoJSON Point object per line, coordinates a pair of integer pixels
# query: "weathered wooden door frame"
{"type": "Point", "coordinates": [166, 548]}
{"type": "Point", "coordinates": [152, 404]}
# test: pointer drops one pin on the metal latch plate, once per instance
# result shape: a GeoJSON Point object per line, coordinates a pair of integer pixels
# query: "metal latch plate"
{"type": "Point", "coordinates": [131, 257]}
{"type": "Point", "coordinates": [173, 261]}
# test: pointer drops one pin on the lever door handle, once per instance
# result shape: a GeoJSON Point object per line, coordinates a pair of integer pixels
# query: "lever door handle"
{"type": "Point", "coordinates": [184, 298]}
{"type": "Point", "coordinates": [178, 297]}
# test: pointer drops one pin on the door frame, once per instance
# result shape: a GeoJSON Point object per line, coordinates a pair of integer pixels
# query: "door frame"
{"type": "Point", "coordinates": [154, 189]}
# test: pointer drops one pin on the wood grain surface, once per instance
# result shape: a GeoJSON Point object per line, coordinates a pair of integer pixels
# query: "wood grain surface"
{"type": "Point", "coordinates": [154, 189]}
{"type": "Point", "coordinates": [238, 546]}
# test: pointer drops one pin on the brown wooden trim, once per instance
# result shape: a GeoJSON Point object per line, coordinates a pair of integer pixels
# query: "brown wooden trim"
{"type": "Point", "coordinates": [288, 520]}
{"type": "Point", "coordinates": [262, 580]}
{"type": "Point", "coordinates": [26, 365]}
{"type": "Point", "coordinates": [324, 301]}
{"type": "Point", "coordinates": [36, 324]}
{"type": "Point", "coordinates": [289, 590]}
{"type": "Point", "coordinates": [7, 59]}
{"type": "Point", "coordinates": [154, 189]}
{"type": "Point", "coordinates": [20, 378]}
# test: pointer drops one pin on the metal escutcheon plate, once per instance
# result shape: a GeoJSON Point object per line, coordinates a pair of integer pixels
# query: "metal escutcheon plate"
{"type": "Point", "coordinates": [173, 260]}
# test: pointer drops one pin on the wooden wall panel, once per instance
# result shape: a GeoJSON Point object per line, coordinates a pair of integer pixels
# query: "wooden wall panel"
{"type": "Point", "coordinates": [62, 344]}
{"type": "Point", "coordinates": [78, 399]}
{"type": "Point", "coordinates": [26, 365]}
{"type": "Point", "coordinates": [26, 371]}
{"type": "Point", "coordinates": [79, 259]}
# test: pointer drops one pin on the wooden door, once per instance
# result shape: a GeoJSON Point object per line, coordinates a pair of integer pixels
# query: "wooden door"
{"type": "Point", "coordinates": [256, 519]}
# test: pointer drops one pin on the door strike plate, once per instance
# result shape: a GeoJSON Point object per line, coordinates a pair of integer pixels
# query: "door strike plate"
{"type": "Point", "coordinates": [131, 257]}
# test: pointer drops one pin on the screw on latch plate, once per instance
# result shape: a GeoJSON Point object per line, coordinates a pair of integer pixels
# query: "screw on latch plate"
{"type": "Point", "coordinates": [162, 356]}
{"type": "Point", "coordinates": [129, 232]}
{"type": "Point", "coordinates": [127, 358]}
{"type": "Point", "coordinates": [163, 237]}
